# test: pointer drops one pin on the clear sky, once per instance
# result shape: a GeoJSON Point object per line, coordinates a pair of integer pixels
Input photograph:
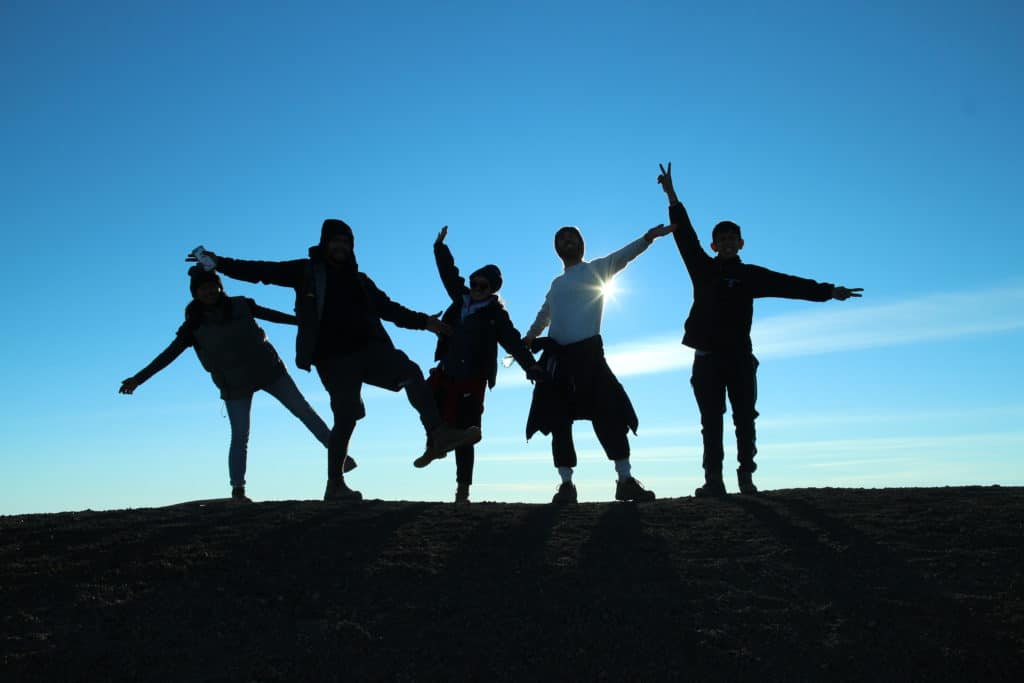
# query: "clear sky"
{"type": "Point", "coordinates": [859, 143]}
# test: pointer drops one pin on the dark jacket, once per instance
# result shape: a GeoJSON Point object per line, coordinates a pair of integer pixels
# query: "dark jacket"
{"type": "Point", "coordinates": [724, 291]}
{"type": "Point", "coordinates": [230, 345]}
{"type": "Point", "coordinates": [473, 348]}
{"type": "Point", "coordinates": [582, 387]}
{"type": "Point", "coordinates": [308, 277]}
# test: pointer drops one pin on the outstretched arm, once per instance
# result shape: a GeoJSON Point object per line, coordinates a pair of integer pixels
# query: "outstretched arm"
{"type": "Point", "coordinates": [399, 314]}
{"type": "Point", "coordinates": [282, 273]}
{"type": "Point", "coordinates": [163, 359]}
{"type": "Point", "coordinates": [453, 283]}
{"type": "Point", "coordinates": [611, 264]}
{"type": "Point", "coordinates": [272, 315]}
{"type": "Point", "coordinates": [512, 342]}
{"type": "Point", "coordinates": [539, 323]}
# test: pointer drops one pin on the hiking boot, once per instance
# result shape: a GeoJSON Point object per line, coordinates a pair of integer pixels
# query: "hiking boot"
{"type": "Point", "coordinates": [238, 495]}
{"type": "Point", "coordinates": [746, 482]}
{"type": "Point", "coordinates": [462, 493]}
{"type": "Point", "coordinates": [712, 488]}
{"type": "Point", "coordinates": [566, 493]}
{"type": "Point", "coordinates": [338, 490]}
{"type": "Point", "coordinates": [429, 455]}
{"type": "Point", "coordinates": [631, 489]}
{"type": "Point", "coordinates": [350, 464]}
{"type": "Point", "coordinates": [445, 438]}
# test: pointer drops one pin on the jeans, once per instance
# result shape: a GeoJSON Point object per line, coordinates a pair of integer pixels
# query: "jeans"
{"type": "Point", "coordinates": [284, 390]}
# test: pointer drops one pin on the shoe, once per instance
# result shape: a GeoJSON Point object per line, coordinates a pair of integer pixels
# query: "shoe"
{"type": "Point", "coordinates": [238, 495]}
{"type": "Point", "coordinates": [712, 488]}
{"type": "Point", "coordinates": [429, 455]}
{"type": "Point", "coordinates": [462, 493]}
{"type": "Point", "coordinates": [746, 482]}
{"type": "Point", "coordinates": [350, 464]}
{"type": "Point", "coordinates": [445, 438]}
{"type": "Point", "coordinates": [631, 489]}
{"type": "Point", "coordinates": [566, 493]}
{"type": "Point", "coordinates": [339, 490]}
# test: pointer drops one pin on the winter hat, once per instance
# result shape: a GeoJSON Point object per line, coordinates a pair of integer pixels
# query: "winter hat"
{"type": "Point", "coordinates": [334, 227]}
{"type": "Point", "coordinates": [491, 273]}
{"type": "Point", "coordinates": [198, 275]}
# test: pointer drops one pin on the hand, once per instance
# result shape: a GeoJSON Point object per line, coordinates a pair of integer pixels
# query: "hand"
{"type": "Point", "coordinates": [657, 231]}
{"type": "Point", "coordinates": [665, 180]}
{"type": "Point", "coordinates": [528, 341]}
{"type": "Point", "coordinates": [843, 293]}
{"type": "Point", "coordinates": [192, 259]}
{"type": "Point", "coordinates": [535, 373]}
{"type": "Point", "coordinates": [128, 386]}
{"type": "Point", "coordinates": [439, 328]}
{"type": "Point", "coordinates": [441, 235]}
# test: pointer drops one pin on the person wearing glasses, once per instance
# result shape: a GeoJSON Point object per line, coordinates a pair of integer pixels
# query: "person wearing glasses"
{"type": "Point", "coordinates": [467, 360]}
{"type": "Point", "coordinates": [583, 387]}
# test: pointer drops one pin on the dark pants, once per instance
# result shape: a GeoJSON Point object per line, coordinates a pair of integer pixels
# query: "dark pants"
{"type": "Point", "coordinates": [612, 437]}
{"type": "Point", "coordinates": [714, 375]}
{"type": "Point", "coordinates": [382, 366]}
{"type": "Point", "coordinates": [461, 404]}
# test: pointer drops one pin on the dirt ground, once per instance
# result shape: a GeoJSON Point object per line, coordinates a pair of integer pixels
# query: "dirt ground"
{"type": "Point", "coordinates": [804, 584]}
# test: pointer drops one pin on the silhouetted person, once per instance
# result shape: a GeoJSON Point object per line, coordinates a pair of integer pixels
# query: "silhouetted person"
{"type": "Point", "coordinates": [718, 329]}
{"type": "Point", "coordinates": [468, 358]}
{"type": "Point", "coordinates": [583, 387]}
{"type": "Point", "coordinates": [339, 311]}
{"type": "Point", "coordinates": [233, 348]}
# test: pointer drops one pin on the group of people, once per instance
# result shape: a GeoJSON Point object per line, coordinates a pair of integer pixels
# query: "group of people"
{"type": "Point", "coordinates": [339, 312]}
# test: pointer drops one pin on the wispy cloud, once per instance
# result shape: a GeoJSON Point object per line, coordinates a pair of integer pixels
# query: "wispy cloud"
{"type": "Point", "coordinates": [838, 327]}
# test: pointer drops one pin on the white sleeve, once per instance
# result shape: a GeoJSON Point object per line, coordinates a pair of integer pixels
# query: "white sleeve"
{"type": "Point", "coordinates": [540, 322]}
{"type": "Point", "coordinates": [609, 265]}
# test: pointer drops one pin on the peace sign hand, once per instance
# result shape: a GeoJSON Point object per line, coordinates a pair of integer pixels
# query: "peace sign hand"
{"type": "Point", "coordinates": [441, 235]}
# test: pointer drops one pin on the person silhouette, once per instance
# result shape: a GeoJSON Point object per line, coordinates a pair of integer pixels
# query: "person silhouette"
{"type": "Point", "coordinates": [339, 311]}
{"type": "Point", "coordinates": [235, 350]}
{"type": "Point", "coordinates": [582, 385]}
{"type": "Point", "coordinates": [467, 360]}
{"type": "Point", "coordinates": [718, 330]}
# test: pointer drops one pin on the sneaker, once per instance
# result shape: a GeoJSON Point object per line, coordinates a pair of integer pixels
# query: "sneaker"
{"type": "Point", "coordinates": [631, 489]}
{"type": "Point", "coordinates": [350, 464]}
{"type": "Point", "coordinates": [746, 482]}
{"type": "Point", "coordinates": [447, 438]}
{"type": "Point", "coordinates": [429, 455]}
{"type": "Point", "coordinates": [339, 490]}
{"type": "Point", "coordinates": [713, 488]}
{"type": "Point", "coordinates": [566, 493]}
{"type": "Point", "coordinates": [238, 495]}
{"type": "Point", "coordinates": [462, 493]}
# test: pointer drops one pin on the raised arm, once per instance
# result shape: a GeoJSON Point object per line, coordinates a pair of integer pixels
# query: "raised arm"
{"type": "Point", "coordinates": [611, 264]}
{"type": "Point", "coordinates": [453, 283]}
{"type": "Point", "coordinates": [685, 236]}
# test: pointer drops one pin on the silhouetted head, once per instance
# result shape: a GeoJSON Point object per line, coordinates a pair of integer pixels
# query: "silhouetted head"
{"type": "Point", "coordinates": [569, 243]}
{"type": "Point", "coordinates": [726, 239]}
{"type": "Point", "coordinates": [205, 285]}
{"type": "Point", "coordinates": [484, 282]}
{"type": "Point", "coordinates": [336, 241]}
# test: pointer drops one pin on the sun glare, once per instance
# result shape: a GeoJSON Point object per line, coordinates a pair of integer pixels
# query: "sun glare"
{"type": "Point", "coordinates": [609, 290]}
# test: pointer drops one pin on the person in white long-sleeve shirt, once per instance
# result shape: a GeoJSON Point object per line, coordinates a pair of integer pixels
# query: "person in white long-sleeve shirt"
{"type": "Point", "coordinates": [583, 385]}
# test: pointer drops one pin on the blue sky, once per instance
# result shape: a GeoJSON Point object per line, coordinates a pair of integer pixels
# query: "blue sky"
{"type": "Point", "coordinates": [857, 143]}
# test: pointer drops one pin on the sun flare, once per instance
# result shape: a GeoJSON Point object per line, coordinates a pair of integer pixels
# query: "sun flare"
{"type": "Point", "coordinates": [608, 290]}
